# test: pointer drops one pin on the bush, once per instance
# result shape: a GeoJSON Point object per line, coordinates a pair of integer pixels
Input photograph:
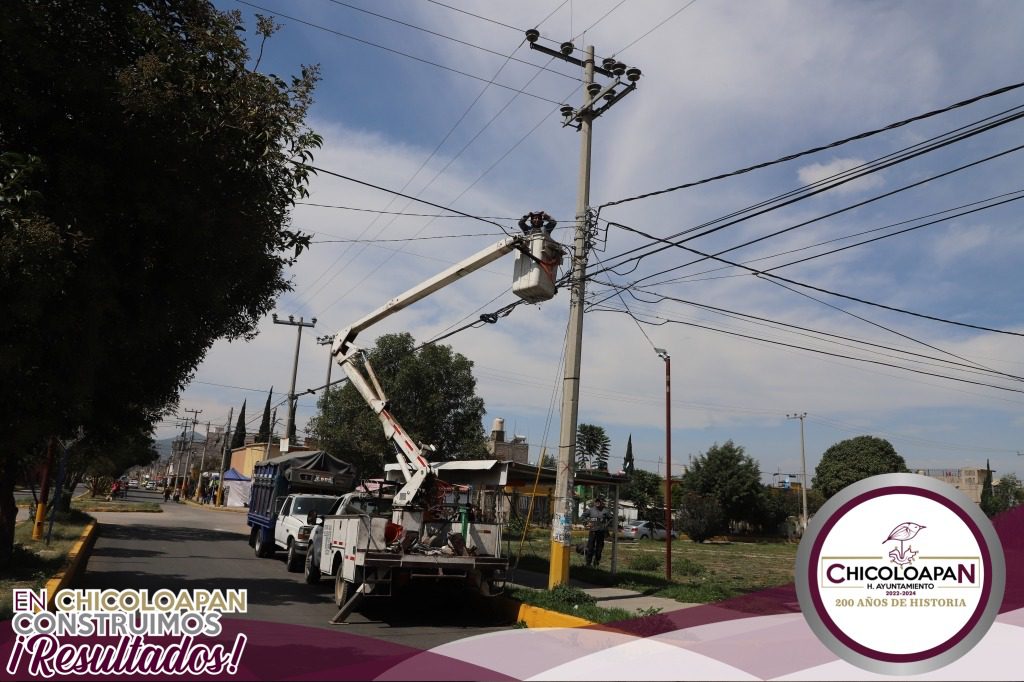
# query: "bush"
{"type": "Point", "coordinates": [701, 517]}
{"type": "Point", "coordinates": [642, 561]}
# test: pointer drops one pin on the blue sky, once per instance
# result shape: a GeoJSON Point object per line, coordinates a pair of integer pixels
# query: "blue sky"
{"type": "Point", "coordinates": [725, 85]}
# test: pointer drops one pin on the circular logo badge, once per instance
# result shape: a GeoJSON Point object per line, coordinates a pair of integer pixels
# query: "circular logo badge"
{"type": "Point", "coordinates": [900, 574]}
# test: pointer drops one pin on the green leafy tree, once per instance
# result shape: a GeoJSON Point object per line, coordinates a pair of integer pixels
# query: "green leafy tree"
{"type": "Point", "coordinates": [700, 516]}
{"type": "Point", "coordinates": [432, 393]}
{"type": "Point", "coordinates": [592, 447]}
{"type": "Point", "coordinates": [855, 459]}
{"type": "Point", "coordinates": [731, 477]}
{"type": "Point", "coordinates": [548, 461]}
{"type": "Point", "coordinates": [238, 437]}
{"type": "Point", "coordinates": [645, 490]}
{"type": "Point", "coordinates": [1008, 493]}
{"type": "Point", "coordinates": [263, 435]}
{"type": "Point", "coordinates": [156, 137]}
{"type": "Point", "coordinates": [628, 465]}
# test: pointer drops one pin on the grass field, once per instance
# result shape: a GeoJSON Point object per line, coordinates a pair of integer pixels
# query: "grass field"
{"type": "Point", "coordinates": [701, 573]}
{"type": "Point", "coordinates": [34, 562]}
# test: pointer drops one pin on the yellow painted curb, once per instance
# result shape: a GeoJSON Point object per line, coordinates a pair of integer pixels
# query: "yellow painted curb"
{"type": "Point", "coordinates": [77, 557]}
{"type": "Point", "coordinates": [537, 617]}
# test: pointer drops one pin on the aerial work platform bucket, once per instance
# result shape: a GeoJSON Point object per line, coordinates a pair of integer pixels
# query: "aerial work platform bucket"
{"type": "Point", "coordinates": [534, 278]}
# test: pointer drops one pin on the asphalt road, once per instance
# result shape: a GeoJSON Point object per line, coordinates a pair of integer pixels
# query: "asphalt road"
{"type": "Point", "coordinates": [189, 547]}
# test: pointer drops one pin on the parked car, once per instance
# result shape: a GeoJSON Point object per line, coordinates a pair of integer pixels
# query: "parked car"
{"type": "Point", "coordinates": [133, 483]}
{"type": "Point", "coordinates": [150, 485]}
{"type": "Point", "coordinates": [639, 530]}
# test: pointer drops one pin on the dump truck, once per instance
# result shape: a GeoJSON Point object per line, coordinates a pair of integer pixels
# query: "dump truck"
{"type": "Point", "coordinates": [284, 490]}
{"type": "Point", "coordinates": [428, 530]}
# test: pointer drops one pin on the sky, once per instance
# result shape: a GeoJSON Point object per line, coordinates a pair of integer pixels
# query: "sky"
{"type": "Point", "coordinates": [725, 86]}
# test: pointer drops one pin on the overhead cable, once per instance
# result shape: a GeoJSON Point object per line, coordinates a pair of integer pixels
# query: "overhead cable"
{"type": "Point", "coordinates": [815, 150]}
{"type": "Point", "coordinates": [393, 50]}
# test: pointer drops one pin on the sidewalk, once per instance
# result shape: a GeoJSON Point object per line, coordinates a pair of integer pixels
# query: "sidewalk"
{"type": "Point", "coordinates": [211, 507]}
{"type": "Point", "coordinates": [607, 597]}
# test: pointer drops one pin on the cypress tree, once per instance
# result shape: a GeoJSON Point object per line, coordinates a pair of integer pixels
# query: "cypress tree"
{"type": "Point", "coordinates": [263, 435]}
{"type": "Point", "coordinates": [238, 437]}
{"type": "Point", "coordinates": [627, 461]}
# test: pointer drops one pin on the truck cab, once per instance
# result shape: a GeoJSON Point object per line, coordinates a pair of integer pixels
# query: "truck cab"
{"type": "Point", "coordinates": [291, 532]}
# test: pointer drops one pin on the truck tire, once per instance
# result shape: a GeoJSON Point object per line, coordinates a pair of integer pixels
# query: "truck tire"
{"type": "Point", "coordinates": [263, 548]}
{"type": "Point", "coordinates": [294, 561]}
{"type": "Point", "coordinates": [252, 537]}
{"type": "Point", "coordinates": [312, 569]}
{"type": "Point", "coordinates": [342, 589]}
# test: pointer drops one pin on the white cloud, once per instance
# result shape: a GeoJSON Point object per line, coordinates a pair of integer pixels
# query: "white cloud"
{"type": "Point", "coordinates": [817, 172]}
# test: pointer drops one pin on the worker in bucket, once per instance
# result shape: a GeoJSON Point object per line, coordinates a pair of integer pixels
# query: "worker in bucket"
{"type": "Point", "coordinates": [597, 519]}
{"type": "Point", "coordinates": [534, 223]}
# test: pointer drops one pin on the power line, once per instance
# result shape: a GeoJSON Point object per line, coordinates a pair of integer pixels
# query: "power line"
{"type": "Point", "coordinates": [690, 278]}
{"type": "Point", "coordinates": [406, 239]}
{"type": "Point", "coordinates": [408, 182]}
{"type": "Point", "coordinates": [967, 365]}
{"type": "Point", "coordinates": [845, 209]}
{"type": "Point", "coordinates": [817, 350]}
{"type": "Point", "coordinates": [399, 194]}
{"type": "Point", "coordinates": [655, 28]}
{"type": "Point", "coordinates": [452, 38]}
{"type": "Point", "coordinates": [394, 51]}
{"type": "Point", "coordinates": [759, 273]}
{"type": "Point", "coordinates": [814, 150]}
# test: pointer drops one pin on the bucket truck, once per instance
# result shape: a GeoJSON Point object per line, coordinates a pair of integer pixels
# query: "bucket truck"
{"type": "Point", "coordinates": [424, 532]}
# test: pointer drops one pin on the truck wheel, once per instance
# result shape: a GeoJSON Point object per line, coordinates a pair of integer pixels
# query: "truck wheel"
{"type": "Point", "coordinates": [293, 563]}
{"type": "Point", "coordinates": [342, 589]}
{"type": "Point", "coordinates": [252, 537]}
{"type": "Point", "coordinates": [262, 549]}
{"type": "Point", "coordinates": [312, 569]}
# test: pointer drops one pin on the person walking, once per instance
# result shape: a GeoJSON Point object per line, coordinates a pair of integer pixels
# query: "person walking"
{"type": "Point", "coordinates": [597, 519]}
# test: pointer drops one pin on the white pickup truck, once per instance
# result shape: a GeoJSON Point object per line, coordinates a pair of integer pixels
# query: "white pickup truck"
{"type": "Point", "coordinates": [292, 530]}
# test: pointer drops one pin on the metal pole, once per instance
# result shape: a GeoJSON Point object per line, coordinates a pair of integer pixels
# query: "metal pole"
{"type": "Point", "coordinates": [561, 521]}
{"type": "Point", "coordinates": [803, 469]}
{"type": "Point", "coordinates": [668, 462]}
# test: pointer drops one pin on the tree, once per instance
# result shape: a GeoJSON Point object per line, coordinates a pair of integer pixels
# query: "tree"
{"type": "Point", "coordinates": [855, 459]}
{"type": "Point", "coordinates": [592, 447]}
{"type": "Point", "coordinates": [263, 435]}
{"type": "Point", "coordinates": [700, 516]}
{"type": "Point", "coordinates": [238, 437]}
{"type": "Point", "coordinates": [628, 465]}
{"type": "Point", "coordinates": [729, 476]}
{"type": "Point", "coordinates": [145, 187]}
{"type": "Point", "coordinates": [548, 461]}
{"type": "Point", "coordinates": [1008, 493]}
{"type": "Point", "coordinates": [645, 490]}
{"type": "Point", "coordinates": [432, 393]}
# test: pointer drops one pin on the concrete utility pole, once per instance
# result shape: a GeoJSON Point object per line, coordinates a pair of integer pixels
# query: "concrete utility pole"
{"type": "Point", "coordinates": [327, 340]}
{"type": "Point", "coordinates": [295, 368]}
{"type": "Point", "coordinates": [663, 354]}
{"type": "Point", "coordinates": [224, 457]}
{"type": "Point", "coordinates": [188, 458]}
{"type": "Point", "coordinates": [803, 468]}
{"type": "Point", "coordinates": [596, 100]}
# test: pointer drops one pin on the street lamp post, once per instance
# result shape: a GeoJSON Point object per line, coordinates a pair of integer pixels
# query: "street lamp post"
{"type": "Point", "coordinates": [663, 354]}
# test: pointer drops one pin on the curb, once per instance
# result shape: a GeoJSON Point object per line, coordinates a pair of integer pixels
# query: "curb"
{"type": "Point", "coordinates": [538, 617]}
{"type": "Point", "coordinates": [78, 558]}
